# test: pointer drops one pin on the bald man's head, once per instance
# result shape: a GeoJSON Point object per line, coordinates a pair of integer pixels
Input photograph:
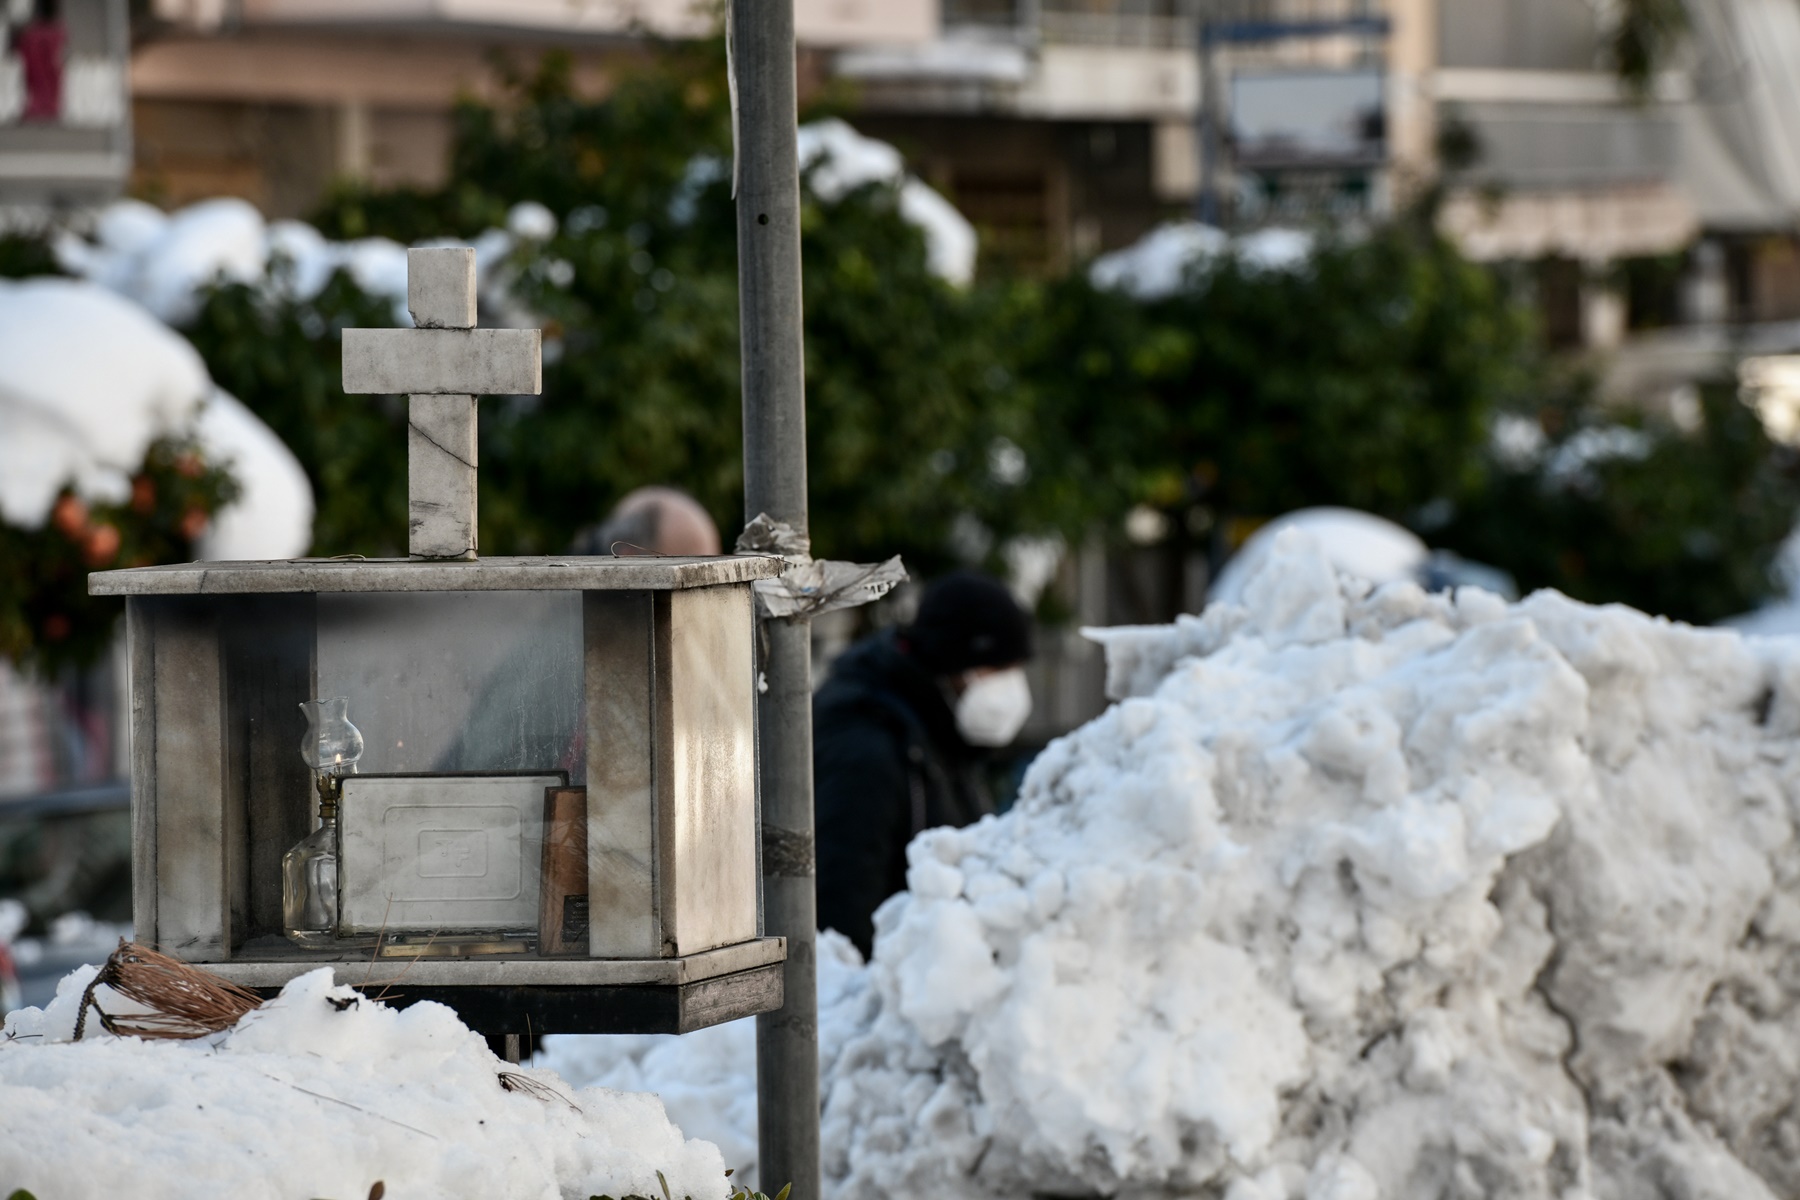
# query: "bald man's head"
{"type": "Point", "coordinates": [653, 520]}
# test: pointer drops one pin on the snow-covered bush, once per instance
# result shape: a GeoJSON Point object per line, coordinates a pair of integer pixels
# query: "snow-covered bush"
{"type": "Point", "coordinates": [107, 459]}
{"type": "Point", "coordinates": [1248, 378]}
{"type": "Point", "coordinates": [1683, 519]}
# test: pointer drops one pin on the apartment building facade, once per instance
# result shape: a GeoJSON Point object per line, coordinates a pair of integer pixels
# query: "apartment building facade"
{"type": "Point", "coordinates": [1063, 128]}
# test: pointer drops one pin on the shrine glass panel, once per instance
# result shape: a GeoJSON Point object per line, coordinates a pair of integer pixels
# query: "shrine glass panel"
{"type": "Point", "coordinates": [458, 681]}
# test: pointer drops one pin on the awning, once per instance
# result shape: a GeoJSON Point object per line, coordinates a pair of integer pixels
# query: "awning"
{"type": "Point", "coordinates": [1594, 225]}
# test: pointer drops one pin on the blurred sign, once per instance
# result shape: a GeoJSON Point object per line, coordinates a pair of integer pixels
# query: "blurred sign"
{"type": "Point", "coordinates": [1308, 120]}
{"type": "Point", "coordinates": [65, 132]}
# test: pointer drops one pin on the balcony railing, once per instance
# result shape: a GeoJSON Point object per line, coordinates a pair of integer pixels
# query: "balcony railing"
{"type": "Point", "coordinates": [1134, 24]}
{"type": "Point", "coordinates": [1148, 32]}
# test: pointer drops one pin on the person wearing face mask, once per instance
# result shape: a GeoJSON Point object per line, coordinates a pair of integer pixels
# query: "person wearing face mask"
{"type": "Point", "coordinates": [901, 733]}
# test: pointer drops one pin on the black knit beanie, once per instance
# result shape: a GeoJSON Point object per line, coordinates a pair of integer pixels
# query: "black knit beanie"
{"type": "Point", "coordinates": [967, 619]}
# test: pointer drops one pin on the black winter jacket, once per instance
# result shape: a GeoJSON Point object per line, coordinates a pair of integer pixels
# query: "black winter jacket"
{"type": "Point", "coordinates": [887, 763]}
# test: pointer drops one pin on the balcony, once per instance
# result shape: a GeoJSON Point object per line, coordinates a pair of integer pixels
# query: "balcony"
{"type": "Point", "coordinates": [1540, 146]}
{"type": "Point", "coordinates": [816, 22]}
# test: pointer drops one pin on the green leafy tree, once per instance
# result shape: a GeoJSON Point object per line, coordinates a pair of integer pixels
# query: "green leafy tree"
{"type": "Point", "coordinates": [284, 358]}
{"type": "Point", "coordinates": [1370, 376]}
{"type": "Point", "coordinates": [1365, 377]}
{"type": "Point", "coordinates": [1643, 37]}
{"type": "Point", "coordinates": [24, 253]}
{"type": "Point", "coordinates": [1365, 380]}
{"type": "Point", "coordinates": [1683, 523]}
{"type": "Point", "coordinates": [48, 622]}
{"type": "Point", "coordinates": [910, 387]}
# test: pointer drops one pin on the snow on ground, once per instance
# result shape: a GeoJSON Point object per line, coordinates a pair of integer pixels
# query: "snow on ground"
{"type": "Point", "coordinates": [317, 1094]}
{"type": "Point", "coordinates": [70, 414]}
{"type": "Point", "coordinates": [1355, 893]}
{"type": "Point", "coordinates": [1160, 263]}
{"type": "Point", "coordinates": [707, 1079]}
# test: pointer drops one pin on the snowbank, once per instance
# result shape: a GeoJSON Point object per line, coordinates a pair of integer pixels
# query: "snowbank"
{"type": "Point", "coordinates": [88, 380]}
{"type": "Point", "coordinates": [837, 160]}
{"type": "Point", "coordinates": [1354, 894]}
{"type": "Point", "coordinates": [1158, 264]}
{"type": "Point", "coordinates": [318, 1094]}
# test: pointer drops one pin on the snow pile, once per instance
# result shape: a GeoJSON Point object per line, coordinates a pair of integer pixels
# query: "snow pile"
{"type": "Point", "coordinates": [1160, 263]}
{"type": "Point", "coordinates": [1357, 893]}
{"type": "Point", "coordinates": [69, 414]}
{"type": "Point", "coordinates": [836, 160]}
{"type": "Point", "coordinates": [318, 1093]}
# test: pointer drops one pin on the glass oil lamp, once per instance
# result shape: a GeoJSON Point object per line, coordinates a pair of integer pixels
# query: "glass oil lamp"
{"type": "Point", "coordinates": [309, 871]}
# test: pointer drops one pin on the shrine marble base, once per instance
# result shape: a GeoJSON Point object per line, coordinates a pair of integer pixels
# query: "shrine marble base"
{"type": "Point", "coordinates": [267, 962]}
{"type": "Point", "coordinates": [641, 1008]}
{"type": "Point", "coordinates": [536, 996]}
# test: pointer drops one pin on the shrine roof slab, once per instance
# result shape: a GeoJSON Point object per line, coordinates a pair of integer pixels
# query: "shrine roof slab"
{"type": "Point", "coordinates": [285, 963]}
{"type": "Point", "coordinates": [568, 573]}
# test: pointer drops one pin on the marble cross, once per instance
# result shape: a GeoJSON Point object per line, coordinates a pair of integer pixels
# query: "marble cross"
{"type": "Point", "coordinates": [442, 365]}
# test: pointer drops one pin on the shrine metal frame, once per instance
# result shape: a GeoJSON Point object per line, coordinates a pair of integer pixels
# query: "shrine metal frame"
{"type": "Point", "coordinates": [220, 652]}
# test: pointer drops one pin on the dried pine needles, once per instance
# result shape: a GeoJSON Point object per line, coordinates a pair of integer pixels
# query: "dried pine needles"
{"type": "Point", "coordinates": [185, 1002]}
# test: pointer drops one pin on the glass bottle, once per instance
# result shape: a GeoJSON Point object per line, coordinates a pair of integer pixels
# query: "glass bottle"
{"type": "Point", "coordinates": [309, 884]}
{"type": "Point", "coordinates": [309, 871]}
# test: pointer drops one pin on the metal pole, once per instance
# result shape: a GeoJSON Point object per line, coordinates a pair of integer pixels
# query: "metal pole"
{"type": "Point", "coordinates": [768, 220]}
{"type": "Point", "coordinates": [1206, 203]}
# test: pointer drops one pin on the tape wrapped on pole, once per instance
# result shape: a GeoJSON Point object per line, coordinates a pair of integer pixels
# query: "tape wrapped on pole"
{"type": "Point", "coordinates": [812, 586]}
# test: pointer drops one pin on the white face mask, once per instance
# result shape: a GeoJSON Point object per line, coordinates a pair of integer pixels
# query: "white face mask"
{"type": "Point", "coordinates": [993, 707]}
